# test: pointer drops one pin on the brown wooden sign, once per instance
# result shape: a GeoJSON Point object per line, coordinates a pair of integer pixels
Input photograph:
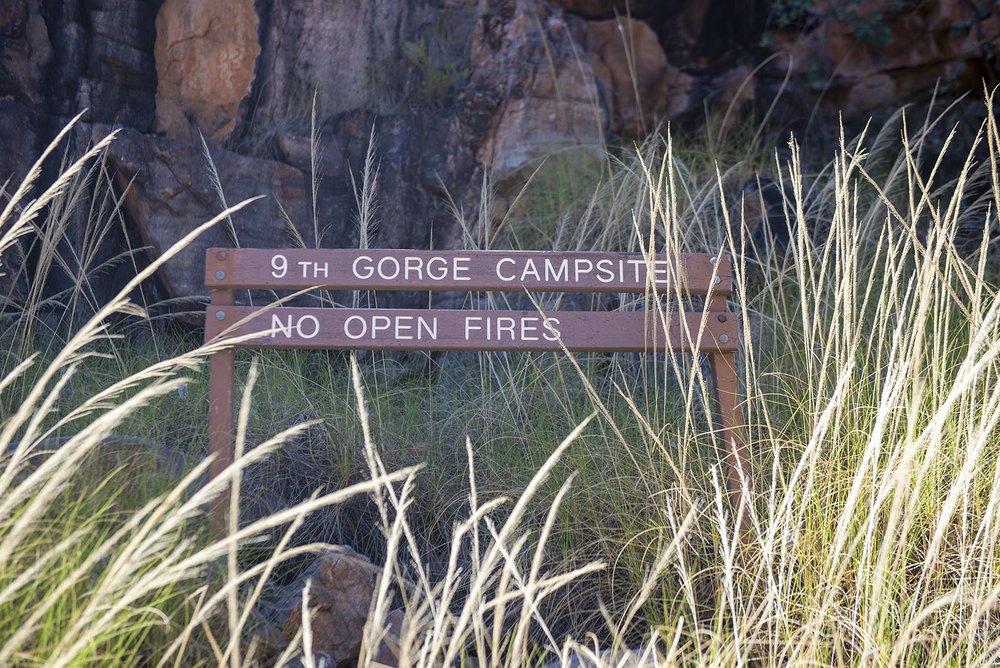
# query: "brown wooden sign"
{"type": "Point", "coordinates": [713, 331]}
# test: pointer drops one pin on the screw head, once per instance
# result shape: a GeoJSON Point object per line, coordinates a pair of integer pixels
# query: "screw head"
{"type": "Point", "coordinates": [219, 275]}
{"type": "Point", "coordinates": [220, 315]}
{"type": "Point", "coordinates": [724, 338]}
{"type": "Point", "coordinates": [222, 255]}
{"type": "Point", "coordinates": [722, 318]}
{"type": "Point", "coordinates": [714, 260]}
{"type": "Point", "coordinates": [716, 281]}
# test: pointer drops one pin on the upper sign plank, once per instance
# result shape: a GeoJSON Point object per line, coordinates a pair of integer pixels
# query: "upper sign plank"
{"type": "Point", "coordinates": [536, 271]}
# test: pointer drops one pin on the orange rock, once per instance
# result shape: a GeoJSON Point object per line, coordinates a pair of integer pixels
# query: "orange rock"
{"type": "Point", "coordinates": [642, 85]}
{"type": "Point", "coordinates": [205, 55]}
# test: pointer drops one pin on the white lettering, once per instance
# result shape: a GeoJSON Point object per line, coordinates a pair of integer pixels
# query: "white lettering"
{"type": "Point", "coordinates": [290, 326]}
{"type": "Point", "coordinates": [530, 268]}
{"type": "Point", "coordinates": [400, 327]}
{"type": "Point", "coordinates": [415, 266]}
{"type": "Point", "coordinates": [347, 327]}
{"type": "Point", "coordinates": [470, 326]}
{"type": "Point", "coordinates": [657, 270]}
{"type": "Point", "coordinates": [277, 326]}
{"type": "Point", "coordinates": [500, 275]}
{"type": "Point", "coordinates": [279, 263]}
{"type": "Point", "coordinates": [551, 274]}
{"type": "Point", "coordinates": [604, 271]}
{"type": "Point", "coordinates": [637, 264]}
{"type": "Point", "coordinates": [528, 329]}
{"type": "Point", "coordinates": [506, 324]}
{"type": "Point", "coordinates": [367, 269]}
{"type": "Point", "coordinates": [550, 324]}
{"type": "Point", "coordinates": [389, 260]}
{"type": "Point", "coordinates": [440, 272]}
{"type": "Point", "coordinates": [380, 323]}
{"type": "Point", "coordinates": [315, 326]}
{"type": "Point", "coordinates": [422, 326]}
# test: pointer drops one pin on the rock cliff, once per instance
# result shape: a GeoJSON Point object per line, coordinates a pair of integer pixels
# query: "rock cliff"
{"type": "Point", "coordinates": [452, 90]}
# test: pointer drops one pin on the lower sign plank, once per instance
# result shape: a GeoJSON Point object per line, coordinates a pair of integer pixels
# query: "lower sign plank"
{"type": "Point", "coordinates": [413, 329]}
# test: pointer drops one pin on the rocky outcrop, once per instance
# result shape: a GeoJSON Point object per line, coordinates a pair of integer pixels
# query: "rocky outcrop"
{"type": "Point", "coordinates": [384, 56]}
{"type": "Point", "coordinates": [102, 60]}
{"type": "Point", "coordinates": [882, 53]}
{"type": "Point", "coordinates": [528, 57]}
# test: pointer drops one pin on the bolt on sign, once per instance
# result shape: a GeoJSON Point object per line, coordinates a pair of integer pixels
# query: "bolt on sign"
{"type": "Point", "coordinates": [712, 330]}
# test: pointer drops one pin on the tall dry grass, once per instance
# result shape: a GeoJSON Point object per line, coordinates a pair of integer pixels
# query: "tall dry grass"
{"type": "Point", "coordinates": [870, 366]}
{"type": "Point", "coordinates": [870, 369]}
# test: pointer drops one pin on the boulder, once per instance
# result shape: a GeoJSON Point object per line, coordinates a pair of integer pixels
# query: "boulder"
{"type": "Point", "coordinates": [395, 627]}
{"type": "Point", "coordinates": [340, 593]}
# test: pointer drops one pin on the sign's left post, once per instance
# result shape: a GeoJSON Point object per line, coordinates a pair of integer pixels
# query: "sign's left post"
{"type": "Point", "coordinates": [220, 412]}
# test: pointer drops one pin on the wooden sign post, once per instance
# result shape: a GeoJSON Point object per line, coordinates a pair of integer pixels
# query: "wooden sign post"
{"type": "Point", "coordinates": [227, 270]}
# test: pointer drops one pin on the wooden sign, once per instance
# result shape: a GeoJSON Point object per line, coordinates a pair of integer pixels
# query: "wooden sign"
{"type": "Point", "coordinates": [713, 331]}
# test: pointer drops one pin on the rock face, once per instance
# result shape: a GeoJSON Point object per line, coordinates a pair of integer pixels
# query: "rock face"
{"type": "Point", "coordinates": [547, 92]}
{"type": "Point", "coordinates": [375, 55]}
{"type": "Point", "coordinates": [168, 194]}
{"type": "Point", "coordinates": [882, 53]}
{"type": "Point", "coordinates": [643, 87]}
{"type": "Point", "coordinates": [454, 91]}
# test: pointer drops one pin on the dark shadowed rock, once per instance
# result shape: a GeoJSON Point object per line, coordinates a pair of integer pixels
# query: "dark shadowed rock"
{"type": "Point", "coordinates": [169, 192]}
{"type": "Point", "coordinates": [102, 60]}
{"type": "Point", "coordinates": [17, 136]}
